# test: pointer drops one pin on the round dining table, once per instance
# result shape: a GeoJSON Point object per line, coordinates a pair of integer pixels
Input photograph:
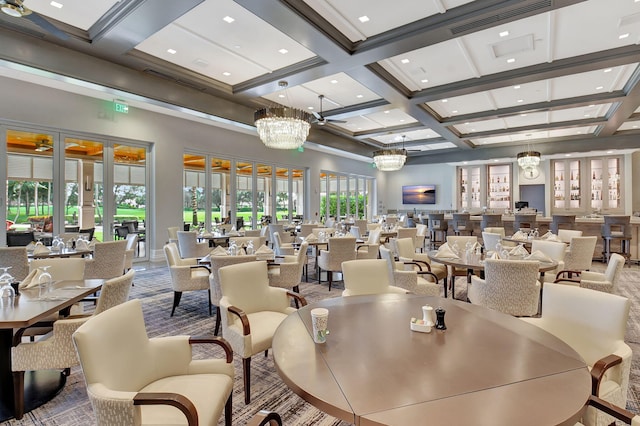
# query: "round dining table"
{"type": "Point", "coordinates": [486, 368]}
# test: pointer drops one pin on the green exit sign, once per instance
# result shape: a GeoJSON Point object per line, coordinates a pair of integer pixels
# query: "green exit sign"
{"type": "Point", "coordinates": [121, 107]}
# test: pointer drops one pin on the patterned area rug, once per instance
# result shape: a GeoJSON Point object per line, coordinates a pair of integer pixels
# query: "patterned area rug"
{"type": "Point", "coordinates": [152, 285]}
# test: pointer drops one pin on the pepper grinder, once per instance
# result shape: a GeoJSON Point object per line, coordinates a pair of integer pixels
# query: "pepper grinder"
{"type": "Point", "coordinates": [440, 325]}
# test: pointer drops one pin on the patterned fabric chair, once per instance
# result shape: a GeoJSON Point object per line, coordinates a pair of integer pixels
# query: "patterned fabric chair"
{"type": "Point", "coordinates": [240, 241]}
{"type": "Point", "coordinates": [251, 312]}
{"type": "Point", "coordinates": [107, 261]}
{"type": "Point", "coordinates": [564, 221]}
{"type": "Point", "coordinates": [190, 247]}
{"type": "Point", "coordinates": [579, 255]}
{"type": "Point", "coordinates": [625, 416]}
{"type": "Point", "coordinates": [186, 275]}
{"type": "Point", "coordinates": [593, 324]}
{"type": "Point", "coordinates": [362, 226]}
{"type": "Point", "coordinates": [566, 235]}
{"type": "Point", "coordinates": [606, 282]}
{"type": "Point", "coordinates": [17, 259]}
{"type": "Point", "coordinates": [510, 286]}
{"type": "Point", "coordinates": [340, 250]}
{"type": "Point", "coordinates": [215, 291]}
{"type": "Point", "coordinates": [69, 268]}
{"type": "Point", "coordinates": [288, 273]}
{"type": "Point", "coordinates": [406, 253]}
{"type": "Point", "coordinates": [424, 283]}
{"type": "Point", "coordinates": [489, 240]}
{"type": "Point", "coordinates": [57, 351]}
{"type": "Point", "coordinates": [125, 388]}
{"type": "Point", "coordinates": [367, 276]}
{"type": "Point", "coordinates": [285, 237]}
{"type": "Point", "coordinates": [305, 229]}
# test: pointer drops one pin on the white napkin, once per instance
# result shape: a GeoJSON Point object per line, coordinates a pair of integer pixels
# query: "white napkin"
{"type": "Point", "coordinates": [41, 249]}
{"type": "Point", "coordinates": [31, 246]}
{"type": "Point", "coordinates": [554, 237]}
{"type": "Point", "coordinates": [519, 236]}
{"type": "Point", "coordinates": [264, 253]}
{"type": "Point", "coordinates": [446, 253]}
{"type": "Point", "coordinates": [539, 256]}
{"type": "Point", "coordinates": [82, 245]}
{"type": "Point", "coordinates": [219, 251]}
{"type": "Point", "coordinates": [30, 280]}
{"type": "Point", "coordinates": [92, 244]}
{"type": "Point", "coordinates": [495, 256]}
{"type": "Point", "coordinates": [519, 250]}
{"type": "Point", "coordinates": [547, 235]}
{"type": "Point", "coordinates": [233, 233]}
{"type": "Point", "coordinates": [311, 238]}
{"type": "Point", "coordinates": [207, 235]}
{"type": "Point", "coordinates": [207, 258]}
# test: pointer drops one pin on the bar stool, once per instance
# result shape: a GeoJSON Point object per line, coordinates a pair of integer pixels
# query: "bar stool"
{"type": "Point", "coordinates": [462, 223]}
{"type": "Point", "coordinates": [616, 228]}
{"type": "Point", "coordinates": [437, 225]}
{"type": "Point", "coordinates": [520, 220]}
{"type": "Point", "coordinates": [562, 221]}
{"type": "Point", "coordinates": [491, 220]}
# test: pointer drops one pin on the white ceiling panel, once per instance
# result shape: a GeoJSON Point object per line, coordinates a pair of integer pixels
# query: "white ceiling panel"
{"type": "Point", "coordinates": [78, 13]}
{"type": "Point", "coordinates": [579, 113]}
{"type": "Point", "coordinates": [414, 135]}
{"type": "Point", "coordinates": [226, 47]}
{"type": "Point", "coordinates": [466, 104]}
{"type": "Point", "coordinates": [431, 146]}
{"type": "Point", "coordinates": [598, 81]}
{"type": "Point", "coordinates": [630, 125]}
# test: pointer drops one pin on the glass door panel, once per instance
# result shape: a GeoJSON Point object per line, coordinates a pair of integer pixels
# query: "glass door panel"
{"type": "Point", "coordinates": [613, 184]}
{"type": "Point", "coordinates": [244, 193]}
{"type": "Point", "coordinates": [220, 173]}
{"type": "Point", "coordinates": [282, 193]}
{"type": "Point", "coordinates": [499, 186]}
{"type": "Point", "coordinates": [559, 190]}
{"type": "Point", "coordinates": [297, 193]}
{"type": "Point", "coordinates": [263, 196]}
{"type": "Point", "coordinates": [193, 190]}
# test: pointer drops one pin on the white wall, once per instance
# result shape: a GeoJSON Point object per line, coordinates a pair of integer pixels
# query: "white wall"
{"type": "Point", "coordinates": [36, 105]}
{"type": "Point", "coordinates": [440, 175]}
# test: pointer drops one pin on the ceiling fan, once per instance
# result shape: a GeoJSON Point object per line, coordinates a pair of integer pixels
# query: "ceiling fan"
{"type": "Point", "coordinates": [321, 120]}
{"type": "Point", "coordinates": [16, 9]}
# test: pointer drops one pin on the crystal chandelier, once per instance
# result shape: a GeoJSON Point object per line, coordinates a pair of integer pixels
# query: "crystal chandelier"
{"type": "Point", "coordinates": [528, 159]}
{"type": "Point", "coordinates": [389, 160]}
{"type": "Point", "coordinates": [282, 127]}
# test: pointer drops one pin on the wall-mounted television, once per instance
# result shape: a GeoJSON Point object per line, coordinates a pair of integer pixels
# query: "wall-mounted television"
{"type": "Point", "coordinates": [419, 194]}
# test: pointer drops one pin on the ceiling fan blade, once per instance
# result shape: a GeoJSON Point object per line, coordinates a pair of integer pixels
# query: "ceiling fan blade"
{"type": "Point", "coordinates": [335, 121]}
{"type": "Point", "coordinates": [317, 115]}
{"type": "Point", "coordinates": [46, 25]}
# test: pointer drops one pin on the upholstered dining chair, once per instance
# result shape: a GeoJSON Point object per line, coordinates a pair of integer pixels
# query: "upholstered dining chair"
{"type": "Point", "coordinates": [215, 291]}
{"type": "Point", "coordinates": [280, 248]}
{"type": "Point", "coordinates": [340, 249]}
{"type": "Point", "coordinates": [625, 416]}
{"type": "Point", "coordinates": [406, 253]}
{"type": "Point", "coordinates": [132, 379]}
{"type": "Point", "coordinates": [424, 283]}
{"type": "Point", "coordinates": [244, 241]}
{"type": "Point", "coordinates": [172, 232]}
{"type": "Point", "coordinates": [285, 237]}
{"type": "Point", "coordinates": [17, 259]}
{"type": "Point", "coordinates": [593, 323]}
{"type": "Point", "coordinates": [566, 235]}
{"type": "Point", "coordinates": [130, 251]}
{"type": "Point", "coordinates": [67, 268]}
{"type": "Point", "coordinates": [579, 255]}
{"type": "Point", "coordinates": [553, 249]}
{"type": "Point", "coordinates": [107, 261]}
{"type": "Point", "coordinates": [606, 282]}
{"type": "Point", "coordinates": [460, 241]}
{"type": "Point", "coordinates": [489, 240]}
{"type": "Point", "coordinates": [57, 351]}
{"type": "Point", "coordinates": [186, 275]}
{"type": "Point", "coordinates": [189, 246]}
{"type": "Point", "coordinates": [362, 226]}
{"type": "Point", "coordinates": [421, 235]}
{"type": "Point", "coordinates": [288, 272]}
{"type": "Point", "coordinates": [407, 233]}
{"type": "Point", "coordinates": [369, 249]}
{"type": "Point", "coordinates": [251, 311]}
{"type": "Point", "coordinates": [367, 276]}
{"type": "Point", "coordinates": [509, 286]}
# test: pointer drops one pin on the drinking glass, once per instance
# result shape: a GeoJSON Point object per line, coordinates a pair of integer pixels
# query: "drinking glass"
{"type": "Point", "coordinates": [6, 290]}
{"type": "Point", "coordinates": [44, 282]}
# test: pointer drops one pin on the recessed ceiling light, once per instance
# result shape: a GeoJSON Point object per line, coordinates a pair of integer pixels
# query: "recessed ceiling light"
{"type": "Point", "coordinates": [504, 33]}
{"type": "Point", "coordinates": [283, 51]}
{"type": "Point", "coordinates": [516, 86]}
{"type": "Point", "coordinates": [281, 95]}
{"type": "Point", "coordinates": [309, 107]}
{"type": "Point", "coordinates": [520, 100]}
{"type": "Point", "coordinates": [495, 161]}
{"type": "Point", "coordinates": [465, 162]}
{"type": "Point", "coordinates": [359, 96]}
{"type": "Point", "coordinates": [592, 105]}
{"type": "Point", "coordinates": [172, 51]}
{"type": "Point", "coordinates": [523, 115]}
{"type": "Point", "coordinates": [405, 61]}
{"type": "Point", "coordinates": [455, 111]}
{"type": "Point", "coordinates": [608, 70]}
{"type": "Point", "coordinates": [635, 127]}
{"type": "Point", "coordinates": [473, 130]}
{"type": "Point", "coordinates": [445, 100]}
{"type": "Point", "coordinates": [568, 155]}
{"type": "Point", "coordinates": [424, 80]}
{"type": "Point", "coordinates": [228, 19]}
{"type": "Point", "coordinates": [363, 18]}
{"type": "Point", "coordinates": [387, 112]}
{"type": "Point", "coordinates": [466, 124]}
{"type": "Point", "coordinates": [511, 60]}
{"type": "Point", "coordinates": [226, 73]}
{"type": "Point", "coordinates": [56, 4]}
{"type": "Point", "coordinates": [609, 152]}
{"type": "Point", "coordinates": [402, 120]}
{"type": "Point", "coordinates": [599, 88]}
{"type": "Point", "coordinates": [334, 81]}
{"type": "Point", "coordinates": [587, 115]}
{"type": "Point", "coordinates": [623, 36]}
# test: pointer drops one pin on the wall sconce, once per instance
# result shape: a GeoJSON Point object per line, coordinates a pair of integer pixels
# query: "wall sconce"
{"type": "Point", "coordinates": [88, 185]}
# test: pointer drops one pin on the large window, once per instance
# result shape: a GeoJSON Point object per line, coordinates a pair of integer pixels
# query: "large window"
{"type": "Point", "coordinates": [344, 195]}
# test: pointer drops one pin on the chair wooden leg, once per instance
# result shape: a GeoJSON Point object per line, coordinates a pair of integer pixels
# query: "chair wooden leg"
{"type": "Point", "coordinates": [266, 353]}
{"type": "Point", "coordinates": [209, 301]}
{"type": "Point", "coordinates": [177, 295]}
{"type": "Point", "coordinates": [228, 408]}
{"type": "Point", "coordinates": [18, 394]}
{"type": "Point", "coordinates": [246, 373]}
{"type": "Point", "coordinates": [330, 278]}
{"type": "Point", "coordinates": [217, 329]}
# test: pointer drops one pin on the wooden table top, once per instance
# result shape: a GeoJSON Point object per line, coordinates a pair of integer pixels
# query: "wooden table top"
{"type": "Point", "coordinates": [487, 368]}
{"type": "Point", "coordinates": [58, 253]}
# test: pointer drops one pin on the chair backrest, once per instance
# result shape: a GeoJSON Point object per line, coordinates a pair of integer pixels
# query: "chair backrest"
{"type": "Point", "coordinates": [172, 232]}
{"type": "Point", "coordinates": [614, 268]}
{"type": "Point", "coordinates": [461, 241]}
{"type": "Point", "coordinates": [218, 262]}
{"type": "Point", "coordinates": [362, 225]}
{"type": "Point", "coordinates": [122, 232]}
{"type": "Point", "coordinates": [495, 230]}
{"type": "Point", "coordinates": [62, 269]}
{"type": "Point", "coordinates": [257, 241]}
{"type": "Point", "coordinates": [275, 228]}
{"type": "Point", "coordinates": [580, 253]}
{"type": "Point", "coordinates": [407, 233]}
{"type": "Point", "coordinates": [132, 241]}
{"type": "Point", "coordinates": [618, 226]}
{"type": "Point", "coordinates": [421, 230]}
{"type": "Point", "coordinates": [342, 247]}
{"type": "Point", "coordinates": [172, 254]}
{"type": "Point", "coordinates": [277, 243]}
{"type": "Point", "coordinates": [520, 220]}
{"type": "Point", "coordinates": [387, 256]}
{"type": "Point", "coordinates": [562, 221]}
{"type": "Point", "coordinates": [114, 292]}
{"type": "Point", "coordinates": [437, 222]}
{"type": "Point", "coordinates": [405, 248]}
{"type": "Point", "coordinates": [19, 238]}
{"type": "Point", "coordinates": [302, 252]}
{"type": "Point", "coordinates": [114, 349]}
{"type": "Point", "coordinates": [589, 321]}
{"type": "Point", "coordinates": [374, 236]}
{"type": "Point", "coordinates": [566, 235]}
{"type": "Point", "coordinates": [511, 283]}
{"type": "Point", "coordinates": [89, 232]}
{"type": "Point", "coordinates": [489, 239]}
{"type": "Point", "coordinates": [366, 276]}
{"type": "Point", "coordinates": [554, 249]}
{"type": "Point", "coordinates": [306, 229]}
{"type": "Point", "coordinates": [461, 220]}
{"type": "Point", "coordinates": [108, 260]}
{"type": "Point", "coordinates": [246, 286]}
{"type": "Point", "coordinates": [355, 231]}
{"type": "Point", "coordinates": [490, 220]}
{"type": "Point", "coordinates": [187, 243]}
{"type": "Point", "coordinates": [17, 259]}
{"type": "Point", "coordinates": [252, 233]}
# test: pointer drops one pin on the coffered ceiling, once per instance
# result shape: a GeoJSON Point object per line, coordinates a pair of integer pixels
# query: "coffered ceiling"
{"type": "Point", "coordinates": [455, 79]}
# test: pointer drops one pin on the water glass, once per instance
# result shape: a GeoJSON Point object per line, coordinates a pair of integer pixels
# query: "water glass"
{"type": "Point", "coordinates": [44, 282]}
